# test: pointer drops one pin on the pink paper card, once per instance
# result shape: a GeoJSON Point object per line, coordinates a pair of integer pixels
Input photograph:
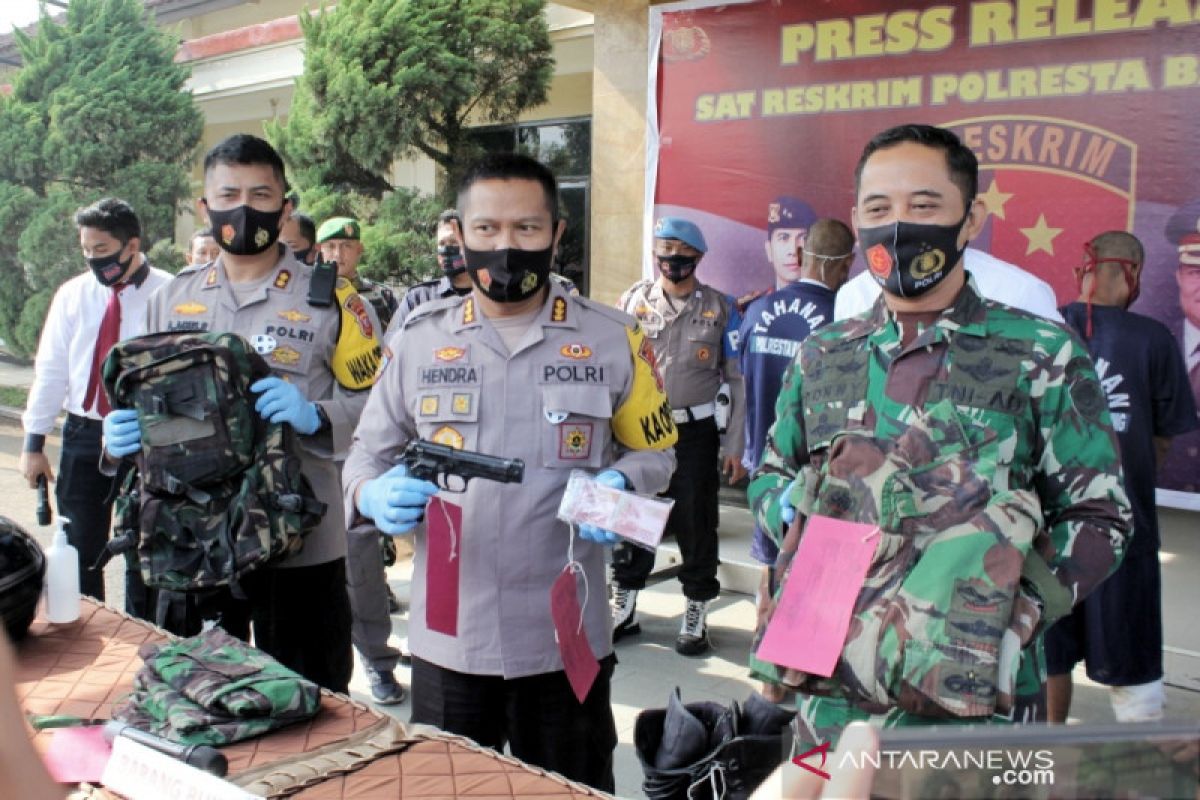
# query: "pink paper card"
{"type": "Point", "coordinates": [808, 629]}
{"type": "Point", "coordinates": [578, 659]}
{"type": "Point", "coordinates": [78, 754]}
{"type": "Point", "coordinates": [443, 555]}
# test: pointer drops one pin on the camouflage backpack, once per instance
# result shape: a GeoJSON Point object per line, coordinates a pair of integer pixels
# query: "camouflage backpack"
{"type": "Point", "coordinates": [217, 491]}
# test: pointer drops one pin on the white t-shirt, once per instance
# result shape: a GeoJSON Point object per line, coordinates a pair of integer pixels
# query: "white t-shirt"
{"type": "Point", "coordinates": [996, 280]}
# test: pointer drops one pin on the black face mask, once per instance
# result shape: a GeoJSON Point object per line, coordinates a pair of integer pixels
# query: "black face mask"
{"type": "Point", "coordinates": [509, 276]}
{"type": "Point", "coordinates": [451, 261]}
{"type": "Point", "coordinates": [109, 269]}
{"type": "Point", "coordinates": [908, 259]}
{"type": "Point", "coordinates": [302, 255]}
{"type": "Point", "coordinates": [245, 231]}
{"type": "Point", "coordinates": [677, 268]}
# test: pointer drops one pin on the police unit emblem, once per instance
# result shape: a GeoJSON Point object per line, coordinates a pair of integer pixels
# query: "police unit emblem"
{"type": "Point", "coordinates": [354, 304]}
{"type": "Point", "coordinates": [283, 279]}
{"type": "Point", "coordinates": [558, 311]}
{"type": "Point", "coordinates": [485, 278]}
{"type": "Point", "coordinates": [447, 436]}
{"type": "Point", "coordinates": [190, 308]}
{"type": "Point", "coordinates": [211, 278]}
{"type": "Point", "coordinates": [264, 344]}
{"type": "Point", "coordinates": [772, 213]}
{"type": "Point", "coordinates": [294, 316]}
{"type": "Point", "coordinates": [879, 260]}
{"type": "Point", "coordinates": [429, 405]}
{"type": "Point", "coordinates": [461, 404]}
{"type": "Point", "coordinates": [928, 263]}
{"type": "Point", "coordinates": [576, 351]}
{"type": "Point", "coordinates": [348, 229]}
{"type": "Point", "coordinates": [285, 355]}
{"type": "Point", "coordinates": [449, 353]}
{"type": "Point", "coordinates": [228, 233]}
{"type": "Point", "coordinates": [702, 353]}
{"type": "Point", "coordinates": [529, 282]}
{"type": "Point", "coordinates": [646, 353]}
{"type": "Point", "coordinates": [575, 441]}
{"type": "Point", "coordinates": [262, 237]}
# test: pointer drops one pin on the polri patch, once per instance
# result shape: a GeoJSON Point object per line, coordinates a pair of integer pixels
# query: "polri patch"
{"type": "Point", "coordinates": [448, 436]}
{"type": "Point", "coordinates": [575, 441]}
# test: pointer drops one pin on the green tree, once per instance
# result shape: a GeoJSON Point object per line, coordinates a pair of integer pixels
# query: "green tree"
{"type": "Point", "coordinates": [96, 109]}
{"type": "Point", "coordinates": [385, 80]}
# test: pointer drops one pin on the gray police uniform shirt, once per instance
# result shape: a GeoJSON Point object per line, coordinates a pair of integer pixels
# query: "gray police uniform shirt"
{"type": "Point", "coordinates": [689, 340]}
{"type": "Point", "coordinates": [580, 391]}
{"type": "Point", "coordinates": [329, 353]}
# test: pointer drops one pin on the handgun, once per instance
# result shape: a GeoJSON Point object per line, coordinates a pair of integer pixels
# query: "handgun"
{"type": "Point", "coordinates": [438, 462]}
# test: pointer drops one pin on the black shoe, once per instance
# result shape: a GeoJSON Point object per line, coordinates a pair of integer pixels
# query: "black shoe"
{"type": "Point", "coordinates": [385, 689]}
{"type": "Point", "coordinates": [693, 634]}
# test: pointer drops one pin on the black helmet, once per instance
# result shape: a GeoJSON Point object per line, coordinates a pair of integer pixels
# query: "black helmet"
{"type": "Point", "coordinates": [22, 568]}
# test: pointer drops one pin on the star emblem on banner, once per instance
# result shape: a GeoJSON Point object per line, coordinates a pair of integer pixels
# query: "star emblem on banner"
{"type": "Point", "coordinates": [995, 199]}
{"type": "Point", "coordinates": [1041, 236]}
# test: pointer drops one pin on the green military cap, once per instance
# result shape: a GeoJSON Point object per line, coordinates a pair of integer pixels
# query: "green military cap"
{"type": "Point", "coordinates": [338, 228]}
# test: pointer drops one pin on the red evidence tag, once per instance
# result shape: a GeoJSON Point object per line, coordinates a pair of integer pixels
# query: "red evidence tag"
{"type": "Point", "coordinates": [443, 556]}
{"type": "Point", "coordinates": [77, 755]}
{"type": "Point", "coordinates": [579, 661]}
{"type": "Point", "coordinates": [808, 629]}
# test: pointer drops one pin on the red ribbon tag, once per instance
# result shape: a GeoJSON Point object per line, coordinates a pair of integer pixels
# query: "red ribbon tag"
{"type": "Point", "coordinates": [443, 538]}
{"type": "Point", "coordinates": [578, 660]}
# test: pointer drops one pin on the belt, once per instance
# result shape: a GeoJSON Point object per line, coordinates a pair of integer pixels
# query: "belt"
{"type": "Point", "coordinates": [693, 413]}
{"type": "Point", "coordinates": [85, 422]}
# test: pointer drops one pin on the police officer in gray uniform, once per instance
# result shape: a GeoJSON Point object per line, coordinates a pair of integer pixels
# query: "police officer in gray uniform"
{"type": "Point", "coordinates": [323, 358]}
{"type": "Point", "coordinates": [518, 369]}
{"type": "Point", "coordinates": [688, 325]}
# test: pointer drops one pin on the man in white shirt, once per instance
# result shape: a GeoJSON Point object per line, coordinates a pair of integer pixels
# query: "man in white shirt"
{"type": "Point", "coordinates": [89, 313]}
{"type": "Point", "coordinates": [995, 279]}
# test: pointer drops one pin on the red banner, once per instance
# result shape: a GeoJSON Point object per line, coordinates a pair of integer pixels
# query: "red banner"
{"type": "Point", "coordinates": [1083, 115]}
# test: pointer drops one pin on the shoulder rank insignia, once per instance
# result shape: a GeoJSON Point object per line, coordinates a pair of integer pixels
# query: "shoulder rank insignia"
{"type": "Point", "coordinates": [293, 315]}
{"type": "Point", "coordinates": [575, 351]}
{"type": "Point", "coordinates": [190, 308]}
{"type": "Point", "coordinates": [211, 278]}
{"type": "Point", "coordinates": [558, 312]}
{"type": "Point", "coordinates": [283, 279]}
{"type": "Point", "coordinates": [468, 316]}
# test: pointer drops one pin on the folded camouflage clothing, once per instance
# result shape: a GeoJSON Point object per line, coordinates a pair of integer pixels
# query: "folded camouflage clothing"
{"type": "Point", "coordinates": [214, 689]}
{"type": "Point", "coordinates": [932, 630]}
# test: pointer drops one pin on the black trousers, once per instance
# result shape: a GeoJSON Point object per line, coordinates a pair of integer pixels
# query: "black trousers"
{"type": "Point", "coordinates": [693, 519]}
{"type": "Point", "coordinates": [537, 716]}
{"type": "Point", "coordinates": [300, 616]}
{"type": "Point", "coordinates": [85, 497]}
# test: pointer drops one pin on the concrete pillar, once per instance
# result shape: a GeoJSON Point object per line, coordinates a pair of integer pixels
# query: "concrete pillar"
{"type": "Point", "coordinates": [618, 145]}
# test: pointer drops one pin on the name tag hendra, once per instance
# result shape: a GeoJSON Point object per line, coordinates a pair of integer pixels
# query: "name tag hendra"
{"type": "Point", "coordinates": [457, 375]}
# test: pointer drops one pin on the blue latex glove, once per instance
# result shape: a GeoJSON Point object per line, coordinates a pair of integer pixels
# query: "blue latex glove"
{"type": "Point", "coordinates": [283, 402]}
{"type": "Point", "coordinates": [787, 512]}
{"type": "Point", "coordinates": [122, 436]}
{"type": "Point", "coordinates": [395, 501]}
{"type": "Point", "coordinates": [615, 480]}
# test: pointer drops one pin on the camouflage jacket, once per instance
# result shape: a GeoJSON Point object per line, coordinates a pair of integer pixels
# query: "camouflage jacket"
{"type": "Point", "coordinates": [991, 419]}
{"type": "Point", "coordinates": [214, 689]}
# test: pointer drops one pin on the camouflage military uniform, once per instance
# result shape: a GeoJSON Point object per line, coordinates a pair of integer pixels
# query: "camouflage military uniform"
{"type": "Point", "coordinates": [984, 451]}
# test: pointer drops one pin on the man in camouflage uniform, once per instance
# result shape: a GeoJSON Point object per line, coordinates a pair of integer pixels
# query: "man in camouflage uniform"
{"type": "Point", "coordinates": [340, 240]}
{"type": "Point", "coordinates": [968, 431]}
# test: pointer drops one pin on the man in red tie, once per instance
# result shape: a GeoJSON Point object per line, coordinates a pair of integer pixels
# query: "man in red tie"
{"type": "Point", "coordinates": [88, 315]}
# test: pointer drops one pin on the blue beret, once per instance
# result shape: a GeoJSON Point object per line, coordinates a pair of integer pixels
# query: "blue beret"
{"type": "Point", "coordinates": [679, 228]}
{"type": "Point", "coordinates": [789, 212]}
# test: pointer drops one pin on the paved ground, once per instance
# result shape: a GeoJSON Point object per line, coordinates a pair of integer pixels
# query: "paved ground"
{"type": "Point", "coordinates": [649, 667]}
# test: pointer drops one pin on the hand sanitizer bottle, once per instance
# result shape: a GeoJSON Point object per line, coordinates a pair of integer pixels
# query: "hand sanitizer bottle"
{"type": "Point", "coordinates": [62, 577]}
